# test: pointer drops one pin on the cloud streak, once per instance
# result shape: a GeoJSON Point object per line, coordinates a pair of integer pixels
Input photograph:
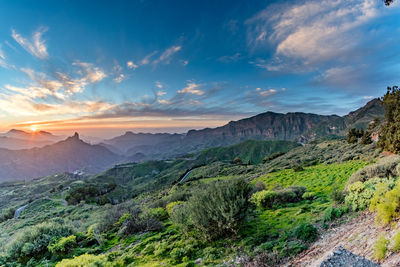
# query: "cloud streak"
{"type": "Point", "coordinates": [191, 88]}
{"type": "Point", "coordinates": [166, 56]}
{"type": "Point", "coordinates": [36, 46]}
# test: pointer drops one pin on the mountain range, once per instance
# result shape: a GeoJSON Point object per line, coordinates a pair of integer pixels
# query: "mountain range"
{"type": "Point", "coordinates": [69, 155]}
{"type": "Point", "coordinates": [268, 126]}
{"type": "Point", "coordinates": [44, 154]}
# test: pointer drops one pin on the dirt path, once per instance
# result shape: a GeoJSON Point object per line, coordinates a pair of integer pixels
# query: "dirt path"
{"type": "Point", "coordinates": [357, 235]}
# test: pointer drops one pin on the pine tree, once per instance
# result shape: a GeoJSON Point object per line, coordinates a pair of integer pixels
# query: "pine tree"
{"type": "Point", "coordinates": [389, 138]}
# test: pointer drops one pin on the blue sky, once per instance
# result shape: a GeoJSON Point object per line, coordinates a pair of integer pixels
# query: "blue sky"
{"type": "Point", "coordinates": [104, 67]}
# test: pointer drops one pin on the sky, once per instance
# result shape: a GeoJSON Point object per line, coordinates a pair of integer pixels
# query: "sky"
{"type": "Point", "coordinates": [106, 67]}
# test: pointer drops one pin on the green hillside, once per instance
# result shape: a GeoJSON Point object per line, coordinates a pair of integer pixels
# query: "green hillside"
{"type": "Point", "coordinates": [137, 214]}
{"type": "Point", "coordinates": [250, 151]}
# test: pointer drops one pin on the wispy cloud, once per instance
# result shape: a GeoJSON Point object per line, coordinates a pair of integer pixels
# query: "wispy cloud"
{"type": "Point", "coordinates": [161, 93]}
{"type": "Point", "coordinates": [166, 56]}
{"type": "Point", "coordinates": [191, 88]}
{"type": "Point", "coordinates": [265, 93]}
{"type": "Point", "coordinates": [159, 84]}
{"type": "Point", "coordinates": [231, 58]}
{"type": "Point", "coordinates": [146, 59]}
{"type": "Point", "coordinates": [119, 78]}
{"type": "Point", "coordinates": [3, 62]}
{"type": "Point", "coordinates": [92, 73]}
{"type": "Point", "coordinates": [36, 46]}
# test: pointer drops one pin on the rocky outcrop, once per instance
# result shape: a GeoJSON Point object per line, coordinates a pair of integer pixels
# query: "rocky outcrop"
{"type": "Point", "coordinates": [344, 258]}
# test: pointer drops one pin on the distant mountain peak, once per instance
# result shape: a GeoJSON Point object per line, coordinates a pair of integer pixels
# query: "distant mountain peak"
{"type": "Point", "coordinates": [16, 131]}
{"type": "Point", "coordinates": [73, 139]}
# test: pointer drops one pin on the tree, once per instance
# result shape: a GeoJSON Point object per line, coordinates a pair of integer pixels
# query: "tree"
{"type": "Point", "coordinates": [353, 134]}
{"type": "Point", "coordinates": [389, 138]}
{"type": "Point", "coordinates": [366, 138]}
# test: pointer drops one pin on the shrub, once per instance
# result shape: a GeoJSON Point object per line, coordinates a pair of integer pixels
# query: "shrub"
{"type": "Point", "coordinates": [264, 198]}
{"type": "Point", "coordinates": [259, 186]}
{"type": "Point", "coordinates": [217, 209]}
{"type": "Point", "coordinates": [338, 195]}
{"type": "Point", "coordinates": [332, 213]}
{"type": "Point", "coordinates": [33, 242]}
{"type": "Point", "coordinates": [306, 232]}
{"type": "Point", "coordinates": [360, 194]}
{"type": "Point", "coordinates": [7, 214]}
{"type": "Point", "coordinates": [177, 254]}
{"type": "Point", "coordinates": [309, 195]}
{"type": "Point", "coordinates": [380, 247]}
{"type": "Point", "coordinates": [85, 260]}
{"type": "Point", "coordinates": [268, 198]}
{"type": "Point", "coordinates": [180, 217]}
{"type": "Point", "coordinates": [387, 205]}
{"type": "Point", "coordinates": [384, 168]}
{"type": "Point", "coordinates": [158, 213]}
{"type": "Point", "coordinates": [140, 222]}
{"type": "Point", "coordinates": [170, 206]}
{"type": "Point", "coordinates": [62, 245]}
{"type": "Point", "coordinates": [396, 242]}
{"type": "Point", "coordinates": [90, 193]}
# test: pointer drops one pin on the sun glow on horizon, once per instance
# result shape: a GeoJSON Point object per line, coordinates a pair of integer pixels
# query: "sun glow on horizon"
{"type": "Point", "coordinates": [33, 128]}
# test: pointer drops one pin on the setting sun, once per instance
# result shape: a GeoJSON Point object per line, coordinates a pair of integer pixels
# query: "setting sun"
{"type": "Point", "coordinates": [33, 128]}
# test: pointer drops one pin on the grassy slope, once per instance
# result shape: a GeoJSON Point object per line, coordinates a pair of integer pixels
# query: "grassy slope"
{"type": "Point", "coordinates": [250, 151]}
{"type": "Point", "coordinates": [264, 229]}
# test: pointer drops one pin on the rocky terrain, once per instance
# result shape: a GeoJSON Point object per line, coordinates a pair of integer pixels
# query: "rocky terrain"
{"type": "Point", "coordinates": [356, 235]}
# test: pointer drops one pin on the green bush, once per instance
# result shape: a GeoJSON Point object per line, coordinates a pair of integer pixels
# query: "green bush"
{"type": "Point", "coordinates": [306, 232]}
{"type": "Point", "coordinates": [396, 242]}
{"type": "Point", "coordinates": [384, 168]}
{"type": "Point", "coordinates": [386, 205]}
{"type": "Point", "coordinates": [85, 260]}
{"type": "Point", "coordinates": [7, 214]}
{"type": "Point", "coordinates": [268, 198]}
{"type": "Point", "coordinates": [180, 217]}
{"type": "Point", "coordinates": [158, 213]}
{"type": "Point", "coordinates": [33, 242]}
{"type": "Point", "coordinates": [62, 245]}
{"type": "Point", "coordinates": [360, 194]}
{"type": "Point", "coordinates": [177, 254]}
{"type": "Point", "coordinates": [90, 193]}
{"type": "Point", "coordinates": [140, 221]}
{"type": "Point", "coordinates": [338, 195]}
{"type": "Point", "coordinates": [332, 213]}
{"type": "Point", "coordinates": [170, 206]}
{"type": "Point", "coordinates": [215, 210]}
{"type": "Point", "coordinates": [380, 247]}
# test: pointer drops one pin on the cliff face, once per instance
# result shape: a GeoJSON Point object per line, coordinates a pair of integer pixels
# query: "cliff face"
{"type": "Point", "coordinates": [265, 126]}
{"type": "Point", "coordinates": [290, 127]}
